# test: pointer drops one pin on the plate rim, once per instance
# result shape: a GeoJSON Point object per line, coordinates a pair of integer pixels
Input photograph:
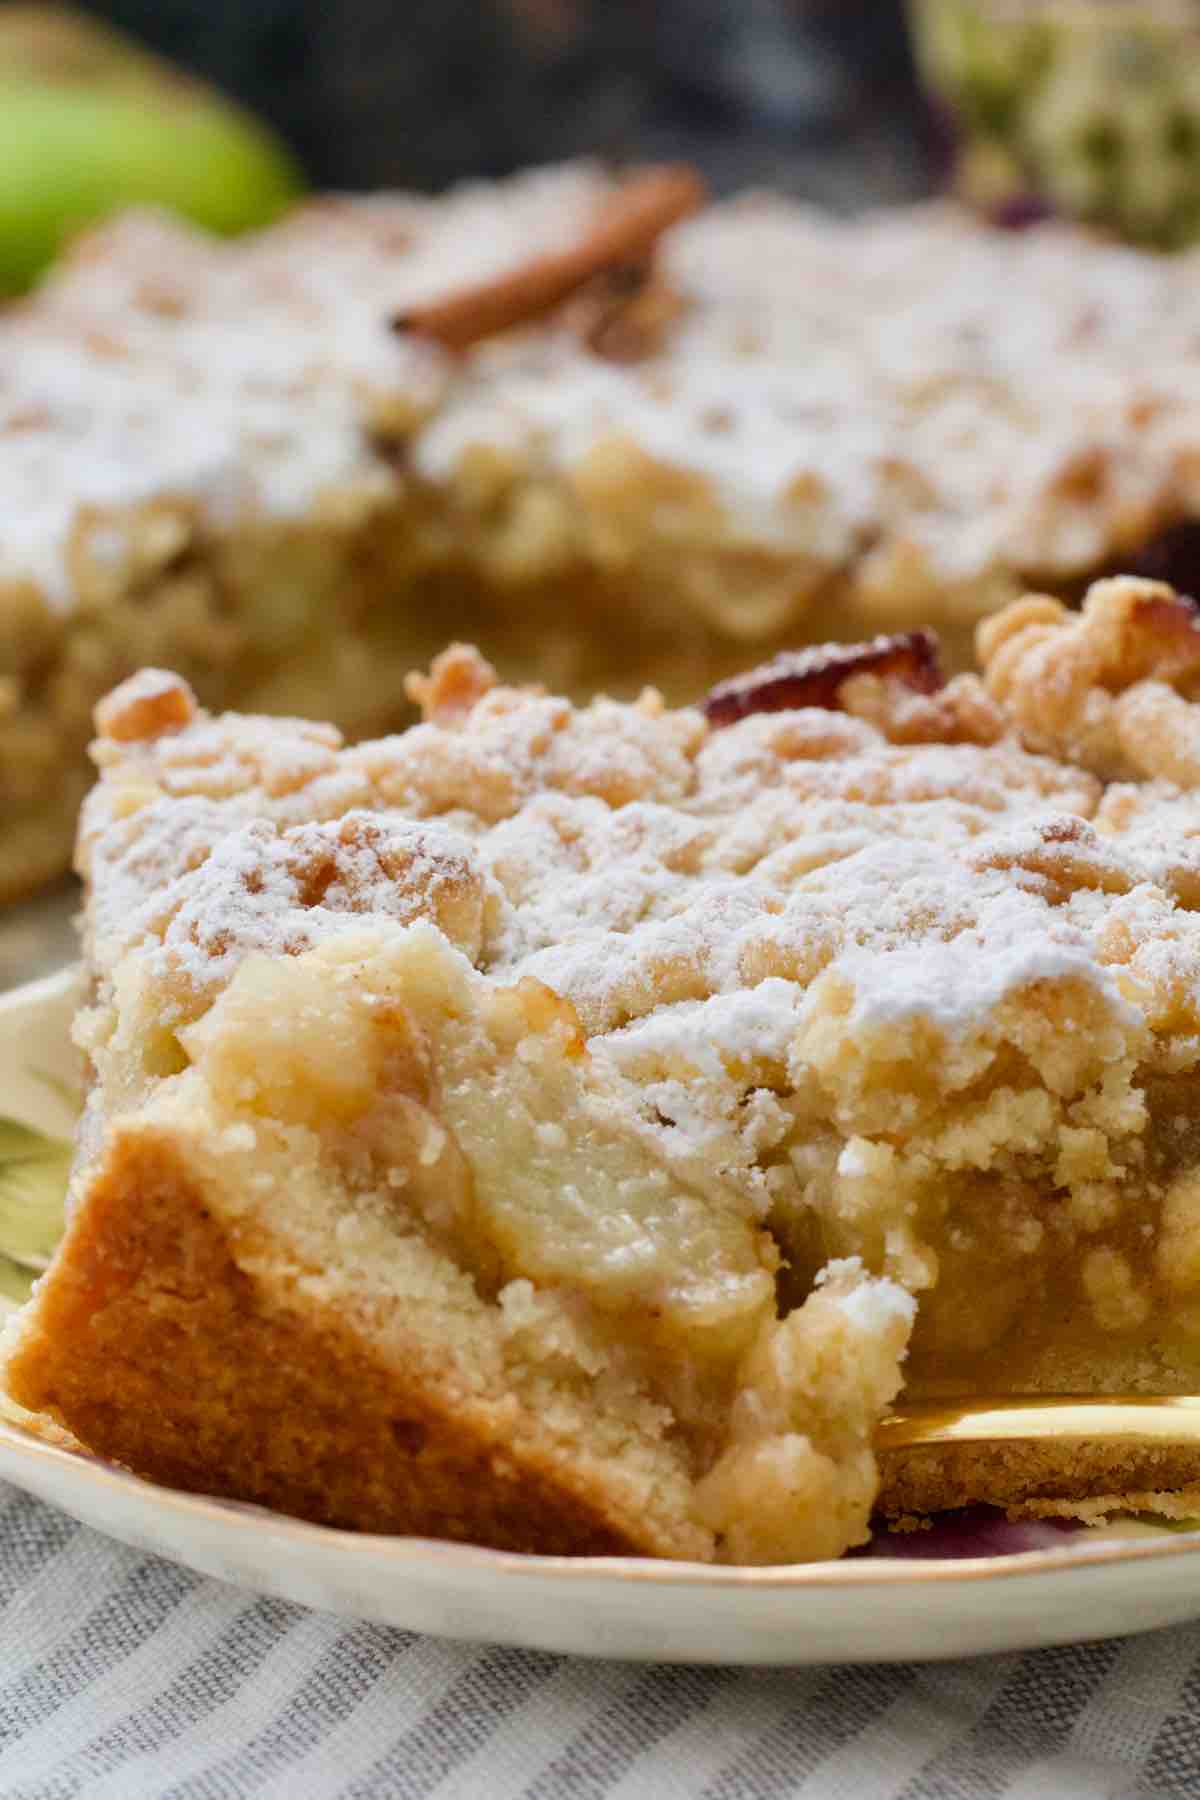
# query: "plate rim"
{"type": "Point", "coordinates": [43, 987]}
{"type": "Point", "coordinates": [510, 1565]}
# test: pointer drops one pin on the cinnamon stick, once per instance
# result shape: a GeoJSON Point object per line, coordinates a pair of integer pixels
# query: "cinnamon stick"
{"type": "Point", "coordinates": [624, 231]}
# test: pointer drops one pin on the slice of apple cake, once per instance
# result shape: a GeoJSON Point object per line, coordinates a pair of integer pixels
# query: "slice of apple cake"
{"type": "Point", "coordinates": [546, 1126]}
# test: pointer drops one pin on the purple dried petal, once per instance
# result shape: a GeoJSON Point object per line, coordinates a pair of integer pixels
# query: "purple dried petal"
{"type": "Point", "coordinates": [1021, 211]}
{"type": "Point", "coordinates": [1172, 556]}
{"type": "Point", "coordinates": [972, 1531]}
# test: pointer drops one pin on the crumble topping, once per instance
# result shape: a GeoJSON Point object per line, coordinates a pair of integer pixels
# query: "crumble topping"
{"type": "Point", "coordinates": [237, 379]}
{"type": "Point", "coordinates": [148, 704]}
{"type": "Point", "coordinates": [938, 408]}
{"type": "Point", "coordinates": [943, 408]}
{"type": "Point", "coordinates": [886, 994]}
{"type": "Point", "coordinates": [1111, 688]}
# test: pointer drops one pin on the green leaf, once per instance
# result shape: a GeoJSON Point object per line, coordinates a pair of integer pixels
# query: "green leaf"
{"type": "Point", "coordinates": [16, 1285]}
{"type": "Point", "coordinates": [69, 1092]}
{"type": "Point", "coordinates": [33, 1187]}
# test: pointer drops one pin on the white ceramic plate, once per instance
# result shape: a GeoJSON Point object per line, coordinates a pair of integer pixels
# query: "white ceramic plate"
{"type": "Point", "coordinates": [873, 1609]}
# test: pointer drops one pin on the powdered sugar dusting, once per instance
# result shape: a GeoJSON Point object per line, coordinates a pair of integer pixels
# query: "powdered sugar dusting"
{"type": "Point", "coordinates": [239, 378]}
{"type": "Point", "coordinates": [910, 390]}
{"type": "Point", "coordinates": [953, 984]}
{"type": "Point", "coordinates": [727, 912]}
{"type": "Point", "coordinates": [871, 1306]}
{"type": "Point", "coordinates": [912, 396]}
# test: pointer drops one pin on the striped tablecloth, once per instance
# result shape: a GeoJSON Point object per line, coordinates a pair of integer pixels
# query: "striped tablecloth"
{"type": "Point", "coordinates": [123, 1677]}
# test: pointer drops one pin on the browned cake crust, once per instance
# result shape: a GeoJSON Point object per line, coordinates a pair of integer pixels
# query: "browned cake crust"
{"type": "Point", "coordinates": [1106, 1478]}
{"type": "Point", "coordinates": [154, 1344]}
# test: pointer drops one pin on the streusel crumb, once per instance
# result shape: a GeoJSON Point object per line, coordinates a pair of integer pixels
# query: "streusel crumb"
{"type": "Point", "coordinates": [1102, 687]}
{"type": "Point", "coordinates": [149, 703]}
{"type": "Point", "coordinates": [459, 677]}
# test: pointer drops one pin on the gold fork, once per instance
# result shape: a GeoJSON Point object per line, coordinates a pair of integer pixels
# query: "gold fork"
{"type": "Point", "coordinates": [1127, 1419]}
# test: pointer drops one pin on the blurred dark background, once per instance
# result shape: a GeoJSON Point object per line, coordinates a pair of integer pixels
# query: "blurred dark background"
{"type": "Point", "coordinates": [813, 96]}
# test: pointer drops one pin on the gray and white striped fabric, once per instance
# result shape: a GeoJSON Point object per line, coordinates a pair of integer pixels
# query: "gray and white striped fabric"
{"type": "Point", "coordinates": [123, 1677]}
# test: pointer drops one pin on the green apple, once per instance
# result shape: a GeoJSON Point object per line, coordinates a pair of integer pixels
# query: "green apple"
{"type": "Point", "coordinates": [90, 122]}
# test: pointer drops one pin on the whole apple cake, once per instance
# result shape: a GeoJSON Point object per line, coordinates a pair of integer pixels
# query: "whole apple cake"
{"type": "Point", "coordinates": [609, 434]}
{"type": "Point", "coordinates": [567, 1128]}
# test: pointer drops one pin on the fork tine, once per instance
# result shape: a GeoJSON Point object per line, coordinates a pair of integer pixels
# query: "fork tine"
{"type": "Point", "coordinates": [1031, 1418]}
